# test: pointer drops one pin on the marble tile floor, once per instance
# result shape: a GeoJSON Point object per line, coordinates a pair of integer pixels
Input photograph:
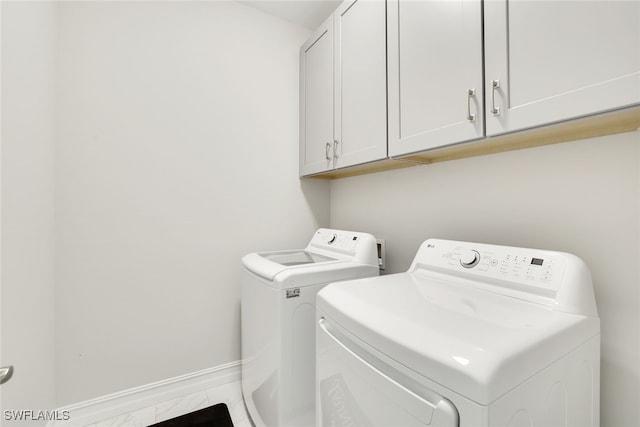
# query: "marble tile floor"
{"type": "Point", "coordinates": [230, 394]}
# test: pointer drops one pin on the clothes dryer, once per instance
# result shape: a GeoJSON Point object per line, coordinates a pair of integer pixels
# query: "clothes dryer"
{"type": "Point", "coordinates": [472, 335]}
{"type": "Point", "coordinates": [278, 321]}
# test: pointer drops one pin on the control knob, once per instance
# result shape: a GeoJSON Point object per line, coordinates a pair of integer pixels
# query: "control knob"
{"type": "Point", "coordinates": [469, 259]}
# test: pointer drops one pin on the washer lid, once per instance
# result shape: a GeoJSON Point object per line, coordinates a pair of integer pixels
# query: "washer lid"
{"type": "Point", "coordinates": [338, 251]}
{"type": "Point", "coordinates": [474, 342]}
{"type": "Point", "coordinates": [269, 264]}
{"type": "Point", "coordinates": [289, 258]}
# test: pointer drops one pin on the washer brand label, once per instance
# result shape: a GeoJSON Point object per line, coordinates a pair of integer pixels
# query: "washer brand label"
{"type": "Point", "coordinates": [293, 293]}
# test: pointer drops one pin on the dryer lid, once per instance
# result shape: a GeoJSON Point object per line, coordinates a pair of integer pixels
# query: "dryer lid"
{"type": "Point", "coordinates": [474, 342]}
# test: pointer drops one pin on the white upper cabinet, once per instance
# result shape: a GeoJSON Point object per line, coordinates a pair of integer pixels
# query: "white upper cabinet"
{"type": "Point", "coordinates": [316, 105]}
{"type": "Point", "coordinates": [548, 61]}
{"type": "Point", "coordinates": [435, 74]}
{"type": "Point", "coordinates": [446, 72]}
{"type": "Point", "coordinates": [360, 82]}
{"type": "Point", "coordinates": [343, 114]}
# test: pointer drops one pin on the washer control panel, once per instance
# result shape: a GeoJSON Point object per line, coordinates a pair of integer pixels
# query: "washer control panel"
{"type": "Point", "coordinates": [345, 245]}
{"type": "Point", "coordinates": [336, 240]}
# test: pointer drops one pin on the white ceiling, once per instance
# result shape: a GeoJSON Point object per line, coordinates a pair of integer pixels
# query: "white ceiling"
{"type": "Point", "coordinates": [307, 13]}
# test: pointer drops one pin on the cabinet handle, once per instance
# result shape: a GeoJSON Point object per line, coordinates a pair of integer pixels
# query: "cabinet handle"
{"type": "Point", "coordinates": [495, 84]}
{"type": "Point", "coordinates": [470, 94]}
{"type": "Point", "coordinates": [326, 151]}
{"type": "Point", "coordinates": [335, 148]}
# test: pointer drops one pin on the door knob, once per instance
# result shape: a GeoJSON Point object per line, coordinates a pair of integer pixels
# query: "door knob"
{"type": "Point", "coordinates": [6, 372]}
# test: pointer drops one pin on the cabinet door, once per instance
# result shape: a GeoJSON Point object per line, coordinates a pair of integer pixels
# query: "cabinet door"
{"type": "Point", "coordinates": [360, 82]}
{"type": "Point", "coordinates": [435, 59]}
{"type": "Point", "coordinates": [316, 101]}
{"type": "Point", "coordinates": [556, 60]}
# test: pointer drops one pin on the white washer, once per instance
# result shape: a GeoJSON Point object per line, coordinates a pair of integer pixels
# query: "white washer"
{"type": "Point", "coordinates": [471, 335]}
{"type": "Point", "coordinates": [278, 321]}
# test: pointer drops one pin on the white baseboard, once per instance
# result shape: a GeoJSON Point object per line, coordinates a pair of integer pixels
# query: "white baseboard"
{"type": "Point", "coordinates": [115, 404]}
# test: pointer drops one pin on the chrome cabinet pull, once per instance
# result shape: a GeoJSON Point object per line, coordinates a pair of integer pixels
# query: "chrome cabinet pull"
{"type": "Point", "coordinates": [335, 148]}
{"type": "Point", "coordinates": [495, 84]}
{"type": "Point", "coordinates": [326, 151]}
{"type": "Point", "coordinates": [470, 94]}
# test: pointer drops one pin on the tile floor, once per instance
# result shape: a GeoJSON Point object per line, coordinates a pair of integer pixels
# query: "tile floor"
{"type": "Point", "coordinates": [230, 394]}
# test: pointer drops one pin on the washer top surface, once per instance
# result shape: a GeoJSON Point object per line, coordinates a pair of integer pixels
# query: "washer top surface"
{"type": "Point", "coordinates": [476, 336]}
{"type": "Point", "coordinates": [290, 258]}
{"type": "Point", "coordinates": [331, 255]}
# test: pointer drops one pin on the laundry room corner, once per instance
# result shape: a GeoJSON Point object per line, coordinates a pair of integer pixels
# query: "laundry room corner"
{"type": "Point", "coordinates": [193, 195]}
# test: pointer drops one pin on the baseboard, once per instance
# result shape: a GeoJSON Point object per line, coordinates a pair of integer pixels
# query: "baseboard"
{"type": "Point", "coordinates": [105, 407]}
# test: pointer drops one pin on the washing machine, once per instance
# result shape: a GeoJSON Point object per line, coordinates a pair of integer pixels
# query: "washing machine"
{"type": "Point", "coordinates": [471, 335]}
{"type": "Point", "coordinates": [278, 321]}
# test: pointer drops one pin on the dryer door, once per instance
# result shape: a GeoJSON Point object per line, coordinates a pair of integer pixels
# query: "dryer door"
{"type": "Point", "coordinates": [352, 392]}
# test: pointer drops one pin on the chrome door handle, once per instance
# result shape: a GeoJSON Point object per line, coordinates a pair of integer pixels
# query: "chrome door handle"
{"type": "Point", "coordinates": [470, 94]}
{"type": "Point", "coordinates": [495, 84]}
{"type": "Point", "coordinates": [335, 148]}
{"type": "Point", "coordinates": [326, 151]}
{"type": "Point", "coordinates": [6, 372]}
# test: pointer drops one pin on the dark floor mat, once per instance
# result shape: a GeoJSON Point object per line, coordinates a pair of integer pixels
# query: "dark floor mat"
{"type": "Point", "coordinates": [213, 416]}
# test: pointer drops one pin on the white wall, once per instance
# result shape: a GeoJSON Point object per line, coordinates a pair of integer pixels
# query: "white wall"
{"type": "Point", "coordinates": [581, 197]}
{"type": "Point", "coordinates": [176, 155]}
{"type": "Point", "coordinates": [27, 144]}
